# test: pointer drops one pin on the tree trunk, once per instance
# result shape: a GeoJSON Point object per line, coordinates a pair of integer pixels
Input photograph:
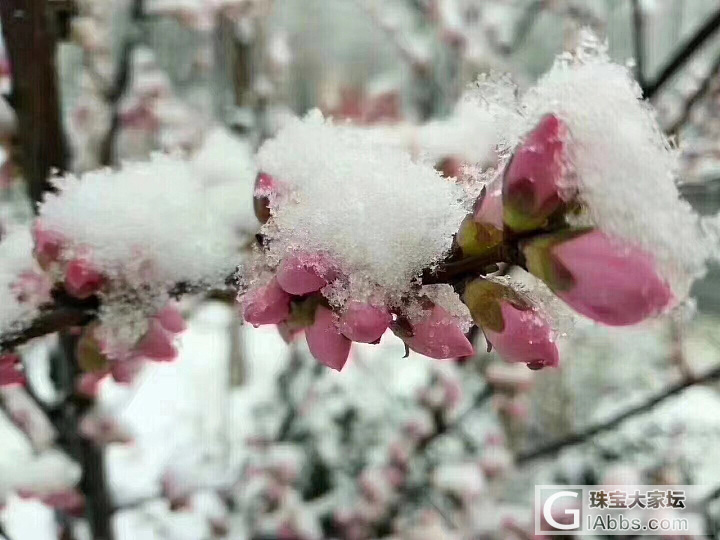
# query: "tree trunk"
{"type": "Point", "coordinates": [30, 41]}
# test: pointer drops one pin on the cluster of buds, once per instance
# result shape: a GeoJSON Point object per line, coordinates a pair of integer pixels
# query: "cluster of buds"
{"type": "Point", "coordinates": [157, 344]}
{"type": "Point", "coordinates": [522, 220]}
{"type": "Point", "coordinates": [81, 279]}
{"type": "Point", "coordinates": [598, 276]}
{"type": "Point", "coordinates": [293, 299]}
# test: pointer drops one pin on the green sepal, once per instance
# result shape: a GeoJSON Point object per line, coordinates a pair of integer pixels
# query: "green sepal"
{"type": "Point", "coordinates": [476, 239]}
{"type": "Point", "coordinates": [542, 262]}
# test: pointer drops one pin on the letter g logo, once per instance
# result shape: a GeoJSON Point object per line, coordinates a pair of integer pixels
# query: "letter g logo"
{"type": "Point", "coordinates": [548, 514]}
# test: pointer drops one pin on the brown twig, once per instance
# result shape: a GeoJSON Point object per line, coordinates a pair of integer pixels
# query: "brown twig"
{"type": "Point", "coordinates": [695, 97]}
{"type": "Point", "coordinates": [639, 42]}
{"type": "Point", "coordinates": [683, 55]}
{"type": "Point", "coordinates": [586, 434]}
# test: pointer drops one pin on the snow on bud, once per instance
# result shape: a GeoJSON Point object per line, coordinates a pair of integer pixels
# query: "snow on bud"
{"type": "Point", "coordinates": [82, 280]}
{"type": "Point", "coordinates": [325, 341]}
{"type": "Point", "coordinates": [302, 274]}
{"type": "Point", "coordinates": [517, 331]}
{"type": "Point", "coordinates": [364, 323]}
{"type": "Point", "coordinates": [48, 245]}
{"type": "Point", "coordinates": [268, 304]}
{"type": "Point", "coordinates": [484, 229]}
{"type": "Point", "coordinates": [599, 277]}
{"type": "Point", "coordinates": [11, 373]}
{"type": "Point", "coordinates": [439, 335]}
{"type": "Point", "coordinates": [535, 184]}
{"type": "Point", "coordinates": [156, 344]}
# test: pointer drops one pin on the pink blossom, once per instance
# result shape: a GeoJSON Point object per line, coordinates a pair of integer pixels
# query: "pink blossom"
{"type": "Point", "coordinates": [439, 336]}
{"type": "Point", "coordinates": [535, 180]}
{"type": "Point", "coordinates": [489, 209]}
{"type": "Point", "coordinates": [600, 277]}
{"type": "Point", "coordinates": [303, 274]}
{"type": "Point", "coordinates": [156, 344]}
{"type": "Point", "coordinates": [48, 245]}
{"type": "Point", "coordinates": [326, 343]}
{"type": "Point", "coordinates": [525, 337]}
{"type": "Point", "coordinates": [11, 373]}
{"type": "Point", "coordinates": [268, 304]}
{"type": "Point", "coordinates": [82, 280]}
{"type": "Point", "coordinates": [364, 323]}
{"type": "Point", "coordinates": [171, 319]}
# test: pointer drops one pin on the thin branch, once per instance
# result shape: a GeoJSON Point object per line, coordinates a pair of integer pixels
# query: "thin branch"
{"type": "Point", "coordinates": [639, 42]}
{"type": "Point", "coordinates": [683, 55]}
{"type": "Point", "coordinates": [584, 435]}
{"type": "Point", "coordinates": [64, 313]}
{"type": "Point", "coordinates": [697, 96]}
{"type": "Point", "coordinates": [120, 84]}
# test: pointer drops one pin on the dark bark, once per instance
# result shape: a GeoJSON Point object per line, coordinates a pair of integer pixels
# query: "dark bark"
{"type": "Point", "coordinates": [639, 42]}
{"type": "Point", "coordinates": [683, 55]}
{"type": "Point", "coordinates": [30, 41]}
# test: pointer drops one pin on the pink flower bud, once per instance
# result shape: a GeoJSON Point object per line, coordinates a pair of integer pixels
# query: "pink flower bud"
{"type": "Point", "coordinates": [489, 209]}
{"type": "Point", "coordinates": [439, 336]}
{"type": "Point", "coordinates": [11, 373]}
{"type": "Point", "coordinates": [156, 344]}
{"type": "Point", "coordinates": [525, 337]}
{"type": "Point", "coordinates": [48, 245]}
{"type": "Point", "coordinates": [484, 229]}
{"type": "Point", "coordinates": [303, 274]}
{"type": "Point", "coordinates": [599, 277]}
{"type": "Point", "coordinates": [364, 323]}
{"type": "Point", "coordinates": [268, 304]}
{"type": "Point", "coordinates": [326, 343]}
{"type": "Point", "coordinates": [171, 319]}
{"type": "Point", "coordinates": [535, 182]}
{"type": "Point", "coordinates": [81, 279]}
